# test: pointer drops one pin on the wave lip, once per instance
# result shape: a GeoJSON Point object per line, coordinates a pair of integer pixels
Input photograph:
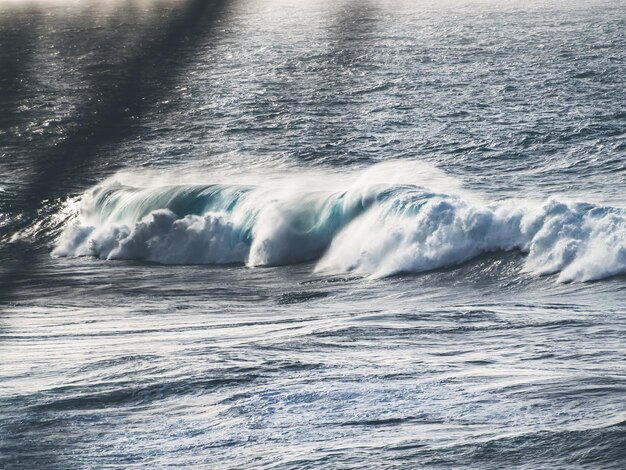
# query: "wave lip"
{"type": "Point", "coordinates": [374, 229]}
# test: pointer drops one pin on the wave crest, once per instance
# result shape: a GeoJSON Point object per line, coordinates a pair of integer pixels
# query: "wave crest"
{"type": "Point", "coordinates": [377, 229]}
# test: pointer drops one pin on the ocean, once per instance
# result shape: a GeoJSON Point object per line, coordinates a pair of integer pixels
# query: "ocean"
{"type": "Point", "coordinates": [317, 234]}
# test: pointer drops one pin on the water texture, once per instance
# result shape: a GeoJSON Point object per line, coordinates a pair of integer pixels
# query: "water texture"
{"type": "Point", "coordinates": [272, 234]}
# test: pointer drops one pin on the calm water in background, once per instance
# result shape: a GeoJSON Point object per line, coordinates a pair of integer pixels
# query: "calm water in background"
{"type": "Point", "coordinates": [472, 354]}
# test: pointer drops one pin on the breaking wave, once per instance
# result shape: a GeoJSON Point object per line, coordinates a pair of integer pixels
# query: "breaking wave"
{"type": "Point", "coordinates": [369, 227]}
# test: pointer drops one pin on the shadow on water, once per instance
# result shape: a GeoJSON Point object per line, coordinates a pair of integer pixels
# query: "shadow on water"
{"type": "Point", "coordinates": [348, 65]}
{"type": "Point", "coordinates": [17, 47]}
{"type": "Point", "coordinates": [116, 96]}
{"type": "Point", "coordinates": [321, 84]}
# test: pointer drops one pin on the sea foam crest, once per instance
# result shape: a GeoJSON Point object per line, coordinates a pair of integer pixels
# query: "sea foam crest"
{"type": "Point", "coordinates": [581, 242]}
{"type": "Point", "coordinates": [369, 227]}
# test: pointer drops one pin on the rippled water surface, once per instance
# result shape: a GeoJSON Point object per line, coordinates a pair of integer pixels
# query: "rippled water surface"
{"type": "Point", "coordinates": [317, 234]}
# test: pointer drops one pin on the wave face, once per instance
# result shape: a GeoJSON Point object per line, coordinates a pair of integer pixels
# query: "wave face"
{"type": "Point", "coordinates": [369, 227]}
{"type": "Point", "coordinates": [206, 224]}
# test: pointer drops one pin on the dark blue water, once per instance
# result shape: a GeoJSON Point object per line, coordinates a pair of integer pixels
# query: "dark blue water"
{"type": "Point", "coordinates": [320, 234]}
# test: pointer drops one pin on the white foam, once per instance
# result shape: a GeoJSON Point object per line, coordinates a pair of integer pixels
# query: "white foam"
{"type": "Point", "coordinates": [160, 237]}
{"type": "Point", "coordinates": [391, 218]}
{"type": "Point", "coordinates": [578, 241]}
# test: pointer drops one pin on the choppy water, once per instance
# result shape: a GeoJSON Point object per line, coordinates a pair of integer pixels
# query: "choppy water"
{"type": "Point", "coordinates": [317, 234]}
